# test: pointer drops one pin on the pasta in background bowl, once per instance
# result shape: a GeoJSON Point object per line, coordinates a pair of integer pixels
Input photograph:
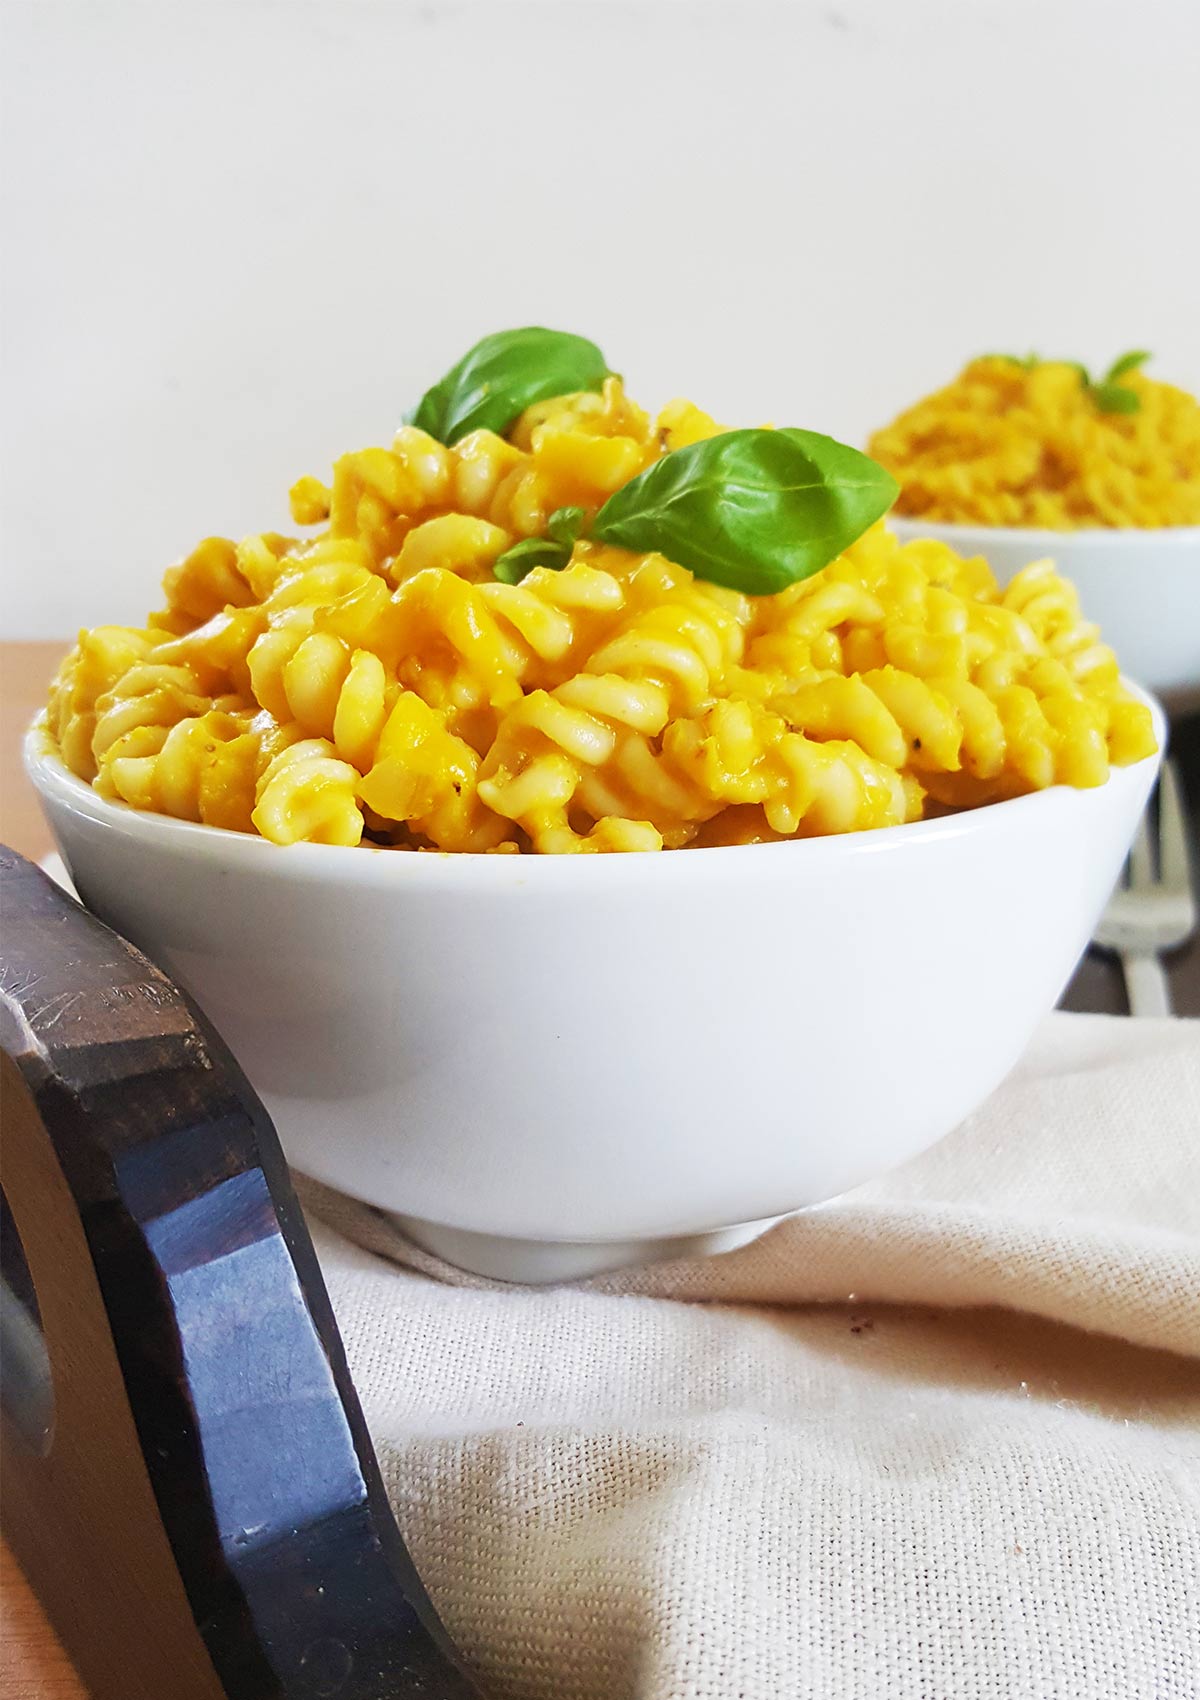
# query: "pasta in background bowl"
{"type": "Point", "coordinates": [1021, 459]}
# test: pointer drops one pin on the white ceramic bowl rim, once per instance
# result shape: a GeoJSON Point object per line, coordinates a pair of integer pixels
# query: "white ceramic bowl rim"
{"type": "Point", "coordinates": [51, 777]}
{"type": "Point", "coordinates": [1046, 538]}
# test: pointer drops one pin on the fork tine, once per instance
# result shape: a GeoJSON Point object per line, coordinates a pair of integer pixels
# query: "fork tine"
{"type": "Point", "coordinates": [1172, 831]}
{"type": "Point", "coordinates": [1141, 857]}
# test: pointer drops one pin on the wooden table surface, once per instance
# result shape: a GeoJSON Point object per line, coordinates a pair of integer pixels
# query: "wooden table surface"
{"type": "Point", "coordinates": [32, 1664]}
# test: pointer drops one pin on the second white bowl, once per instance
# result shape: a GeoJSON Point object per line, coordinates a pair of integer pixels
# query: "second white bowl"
{"type": "Point", "coordinates": [1142, 588]}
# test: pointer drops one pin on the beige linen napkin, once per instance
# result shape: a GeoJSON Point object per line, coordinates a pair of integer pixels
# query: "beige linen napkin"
{"type": "Point", "coordinates": [939, 1440]}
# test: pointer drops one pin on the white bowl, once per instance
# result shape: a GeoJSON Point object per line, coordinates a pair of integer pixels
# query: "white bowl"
{"type": "Point", "coordinates": [551, 1065]}
{"type": "Point", "coordinates": [1142, 588]}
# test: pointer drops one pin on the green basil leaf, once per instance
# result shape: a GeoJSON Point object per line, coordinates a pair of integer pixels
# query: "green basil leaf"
{"type": "Point", "coordinates": [565, 524]}
{"type": "Point", "coordinates": [501, 376]}
{"type": "Point", "coordinates": [553, 550]}
{"type": "Point", "coordinates": [1085, 377]}
{"type": "Point", "coordinates": [753, 510]}
{"type": "Point", "coordinates": [531, 552]}
{"type": "Point", "coordinates": [1115, 398]}
{"type": "Point", "coordinates": [1126, 363]}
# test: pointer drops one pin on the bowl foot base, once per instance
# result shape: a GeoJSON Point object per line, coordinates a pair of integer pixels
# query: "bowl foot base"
{"type": "Point", "coordinates": [543, 1262]}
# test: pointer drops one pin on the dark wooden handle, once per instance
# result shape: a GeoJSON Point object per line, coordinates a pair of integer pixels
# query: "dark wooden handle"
{"type": "Point", "coordinates": [189, 1482]}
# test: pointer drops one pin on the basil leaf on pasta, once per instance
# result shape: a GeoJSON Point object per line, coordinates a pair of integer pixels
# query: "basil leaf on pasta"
{"type": "Point", "coordinates": [1126, 363]}
{"type": "Point", "coordinates": [1108, 395]}
{"type": "Point", "coordinates": [753, 510]}
{"type": "Point", "coordinates": [1115, 398]}
{"type": "Point", "coordinates": [565, 524]}
{"type": "Point", "coordinates": [553, 550]}
{"type": "Point", "coordinates": [494, 382]}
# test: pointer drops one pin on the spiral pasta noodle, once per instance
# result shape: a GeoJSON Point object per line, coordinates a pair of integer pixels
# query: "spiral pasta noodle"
{"type": "Point", "coordinates": [377, 684]}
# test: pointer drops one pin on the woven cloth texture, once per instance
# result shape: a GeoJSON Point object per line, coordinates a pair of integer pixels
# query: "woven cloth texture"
{"type": "Point", "coordinates": [937, 1440]}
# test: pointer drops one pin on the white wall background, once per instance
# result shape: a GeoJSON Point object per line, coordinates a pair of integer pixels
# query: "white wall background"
{"type": "Point", "coordinates": [241, 237]}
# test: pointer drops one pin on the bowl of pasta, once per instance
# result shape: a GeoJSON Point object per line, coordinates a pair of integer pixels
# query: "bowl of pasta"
{"type": "Point", "coordinates": [603, 836]}
{"type": "Point", "coordinates": [1021, 459]}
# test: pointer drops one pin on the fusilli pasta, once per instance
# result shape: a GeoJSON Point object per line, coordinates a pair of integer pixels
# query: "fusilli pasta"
{"type": "Point", "coordinates": [378, 683]}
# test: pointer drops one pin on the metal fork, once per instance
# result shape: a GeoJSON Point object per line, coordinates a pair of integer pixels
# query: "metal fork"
{"type": "Point", "coordinates": [1154, 907]}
